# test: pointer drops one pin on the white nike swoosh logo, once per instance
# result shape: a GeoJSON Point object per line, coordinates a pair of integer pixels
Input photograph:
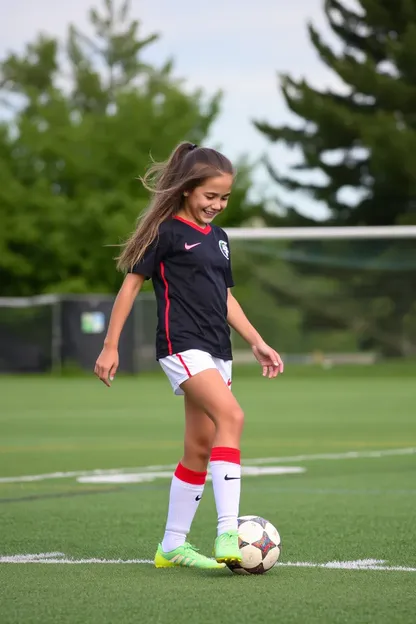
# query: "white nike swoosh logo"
{"type": "Point", "coordinates": [187, 247]}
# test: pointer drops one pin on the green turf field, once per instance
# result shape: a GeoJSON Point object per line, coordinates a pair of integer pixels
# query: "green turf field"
{"type": "Point", "coordinates": [341, 509]}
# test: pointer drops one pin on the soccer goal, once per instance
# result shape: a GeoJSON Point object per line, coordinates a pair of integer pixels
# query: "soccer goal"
{"type": "Point", "coordinates": [318, 295]}
{"type": "Point", "coordinates": [328, 294]}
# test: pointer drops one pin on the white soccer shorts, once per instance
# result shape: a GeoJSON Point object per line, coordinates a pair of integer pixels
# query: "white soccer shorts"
{"type": "Point", "coordinates": [182, 366]}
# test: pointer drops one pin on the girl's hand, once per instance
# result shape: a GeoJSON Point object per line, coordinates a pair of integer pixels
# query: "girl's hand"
{"type": "Point", "coordinates": [107, 364]}
{"type": "Point", "coordinates": [269, 359]}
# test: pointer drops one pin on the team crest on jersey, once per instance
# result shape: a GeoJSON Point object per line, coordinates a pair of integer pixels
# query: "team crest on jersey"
{"type": "Point", "coordinates": [224, 249]}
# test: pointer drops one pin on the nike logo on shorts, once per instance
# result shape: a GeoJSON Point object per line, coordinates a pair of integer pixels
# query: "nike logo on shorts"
{"type": "Point", "coordinates": [227, 478]}
{"type": "Point", "coordinates": [188, 247]}
{"type": "Point", "coordinates": [198, 498]}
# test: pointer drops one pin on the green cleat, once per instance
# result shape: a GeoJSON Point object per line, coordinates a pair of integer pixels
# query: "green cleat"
{"type": "Point", "coordinates": [185, 556]}
{"type": "Point", "coordinates": [226, 548]}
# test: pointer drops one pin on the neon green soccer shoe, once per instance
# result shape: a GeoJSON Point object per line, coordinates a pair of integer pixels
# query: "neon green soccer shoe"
{"type": "Point", "coordinates": [185, 556]}
{"type": "Point", "coordinates": [226, 548]}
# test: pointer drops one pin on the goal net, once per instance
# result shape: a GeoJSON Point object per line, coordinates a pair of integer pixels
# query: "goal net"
{"type": "Point", "coordinates": [328, 294]}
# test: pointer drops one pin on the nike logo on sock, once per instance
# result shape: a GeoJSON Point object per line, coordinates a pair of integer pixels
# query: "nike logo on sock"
{"type": "Point", "coordinates": [198, 498]}
{"type": "Point", "coordinates": [188, 247]}
{"type": "Point", "coordinates": [227, 478]}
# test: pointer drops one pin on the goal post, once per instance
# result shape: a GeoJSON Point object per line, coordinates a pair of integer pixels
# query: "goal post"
{"type": "Point", "coordinates": [328, 294]}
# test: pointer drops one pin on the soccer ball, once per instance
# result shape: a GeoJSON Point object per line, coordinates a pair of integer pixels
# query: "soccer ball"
{"type": "Point", "coordinates": [260, 546]}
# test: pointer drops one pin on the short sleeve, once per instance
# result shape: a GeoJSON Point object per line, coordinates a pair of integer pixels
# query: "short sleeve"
{"type": "Point", "coordinates": [228, 272]}
{"type": "Point", "coordinates": [153, 255]}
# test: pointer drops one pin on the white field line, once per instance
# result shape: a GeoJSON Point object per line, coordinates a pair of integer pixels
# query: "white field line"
{"type": "Point", "coordinates": [30, 558]}
{"type": "Point", "coordinates": [140, 477]}
{"type": "Point", "coordinates": [59, 558]}
{"type": "Point", "coordinates": [249, 462]}
{"type": "Point", "coordinates": [362, 564]}
{"type": "Point", "coordinates": [81, 473]}
{"type": "Point", "coordinates": [335, 456]}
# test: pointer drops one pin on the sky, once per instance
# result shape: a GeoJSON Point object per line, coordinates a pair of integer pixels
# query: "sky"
{"type": "Point", "coordinates": [238, 46]}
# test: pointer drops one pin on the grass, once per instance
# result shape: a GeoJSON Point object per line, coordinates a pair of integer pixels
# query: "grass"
{"type": "Point", "coordinates": [338, 510]}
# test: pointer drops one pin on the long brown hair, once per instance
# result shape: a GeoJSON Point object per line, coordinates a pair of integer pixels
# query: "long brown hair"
{"type": "Point", "coordinates": [187, 167]}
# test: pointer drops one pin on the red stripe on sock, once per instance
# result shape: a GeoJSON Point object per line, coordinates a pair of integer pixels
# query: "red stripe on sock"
{"type": "Point", "coordinates": [190, 476]}
{"type": "Point", "coordinates": [223, 453]}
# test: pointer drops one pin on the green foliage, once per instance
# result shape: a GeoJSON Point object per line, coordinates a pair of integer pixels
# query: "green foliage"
{"type": "Point", "coordinates": [85, 122]}
{"type": "Point", "coordinates": [365, 138]}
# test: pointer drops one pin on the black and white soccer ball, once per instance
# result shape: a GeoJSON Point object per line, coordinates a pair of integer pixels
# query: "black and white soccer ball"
{"type": "Point", "coordinates": [260, 546]}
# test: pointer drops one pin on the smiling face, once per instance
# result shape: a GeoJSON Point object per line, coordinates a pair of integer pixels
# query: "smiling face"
{"type": "Point", "coordinates": [206, 201]}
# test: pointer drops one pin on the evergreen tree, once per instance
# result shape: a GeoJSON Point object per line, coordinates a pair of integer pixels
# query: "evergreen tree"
{"type": "Point", "coordinates": [365, 138]}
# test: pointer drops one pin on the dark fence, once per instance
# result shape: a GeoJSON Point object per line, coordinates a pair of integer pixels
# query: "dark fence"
{"type": "Point", "coordinates": [48, 333]}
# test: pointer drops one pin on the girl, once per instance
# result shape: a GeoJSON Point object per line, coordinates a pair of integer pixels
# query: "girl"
{"type": "Point", "coordinates": [188, 260]}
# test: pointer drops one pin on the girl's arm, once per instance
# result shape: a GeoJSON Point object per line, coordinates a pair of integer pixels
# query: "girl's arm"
{"type": "Point", "coordinates": [107, 362]}
{"type": "Point", "coordinates": [269, 359]}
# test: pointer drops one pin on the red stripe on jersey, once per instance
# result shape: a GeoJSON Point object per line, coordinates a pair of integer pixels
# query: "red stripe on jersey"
{"type": "Point", "coordinates": [225, 454]}
{"type": "Point", "coordinates": [205, 230]}
{"type": "Point", "coordinates": [180, 358]}
{"type": "Point", "coordinates": [190, 476]}
{"type": "Point", "coordinates": [167, 308]}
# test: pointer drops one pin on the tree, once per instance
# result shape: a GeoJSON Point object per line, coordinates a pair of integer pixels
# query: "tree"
{"type": "Point", "coordinates": [82, 128]}
{"type": "Point", "coordinates": [362, 139]}
{"type": "Point", "coordinates": [365, 138]}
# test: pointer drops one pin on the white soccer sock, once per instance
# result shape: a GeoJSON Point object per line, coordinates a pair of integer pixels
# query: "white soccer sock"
{"type": "Point", "coordinates": [226, 481]}
{"type": "Point", "coordinates": [185, 493]}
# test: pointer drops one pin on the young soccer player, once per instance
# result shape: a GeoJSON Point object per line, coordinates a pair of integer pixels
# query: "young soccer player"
{"type": "Point", "coordinates": [188, 260]}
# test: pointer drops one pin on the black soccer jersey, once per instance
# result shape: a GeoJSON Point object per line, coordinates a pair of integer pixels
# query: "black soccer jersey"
{"type": "Point", "coordinates": [190, 269]}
